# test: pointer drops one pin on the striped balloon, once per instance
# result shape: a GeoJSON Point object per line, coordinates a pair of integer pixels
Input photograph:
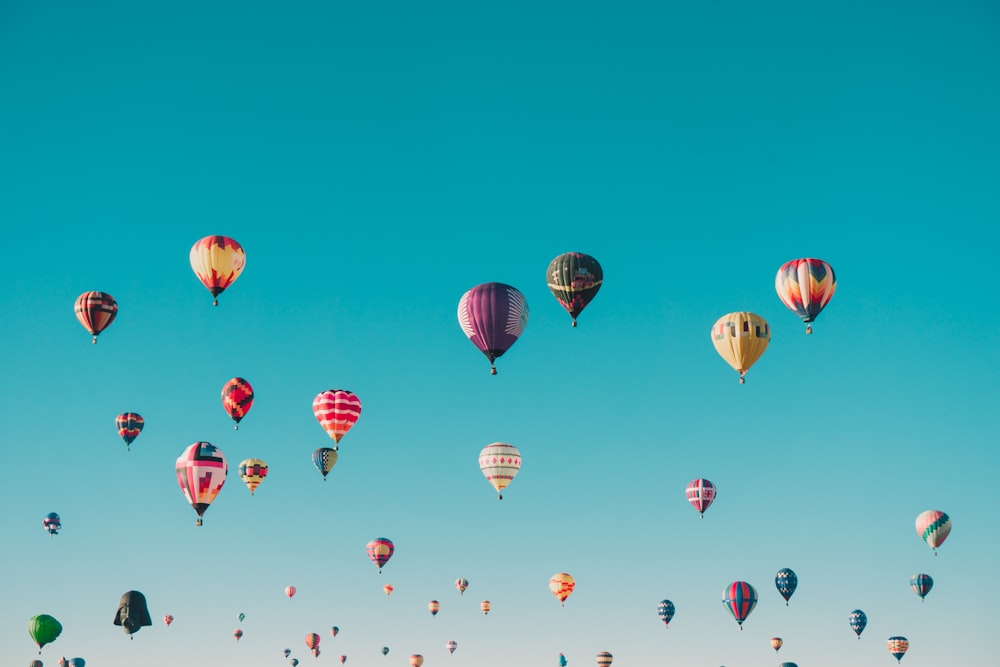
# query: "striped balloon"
{"type": "Point", "coordinates": [741, 338]}
{"type": "Point", "coordinates": [129, 425]}
{"type": "Point", "coordinates": [739, 599]}
{"type": "Point", "coordinates": [499, 462]}
{"type": "Point", "coordinates": [217, 261]}
{"type": "Point", "coordinates": [201, 472]}
{"type": "Point", "coordinates": [312, 640]}
{"type": "Point", "coordinates": [898, 647]}
{"type": "Point", "coordinates": [434, 607]}
{"type": "Point", "coordinates": [380, 550]}
{"type": "Point", "coordinates": [604, 659]}
{"type": "Point", "coordinates": [701, 494]}
{"type": "Point", "coordinates": [252, 472]}
{"type": "Point", "coordinates": [665, 610]}
{"type": "Point", "coordinates": [562, 584]}
{"type": "Point", "coordinates": [485, 606]}
{"type": "Point", "coordinates": [337, 410]}
{"type": "Point", "coordinates": [493, 316]}
{"type": "Point", "coordinates": [237, 399]}
{"type": "Point", "coordinates": [805, 286]}
{"type": "Point", "coordinates": [858, 620]}
{"type": "Point", "coordinates": [933, 527]}
{"type": "Point", "coordinates": [95, 311]}
{"type": "Point", "coordinates": [451, 646]}
{"type": "Point", "coordinates": [921, 584]}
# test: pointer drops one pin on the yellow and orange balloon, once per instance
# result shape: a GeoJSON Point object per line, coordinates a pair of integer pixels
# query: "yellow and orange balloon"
{"type": "Point", "coordinates": [562, 584]}
{"type": "Point", "coordinates": [741, 338]}
{"type": "Point", "coordinates": [217, 261]}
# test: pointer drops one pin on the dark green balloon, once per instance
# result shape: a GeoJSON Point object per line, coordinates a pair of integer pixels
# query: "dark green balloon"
{"type": "Point", "coordinates": [44, 629]}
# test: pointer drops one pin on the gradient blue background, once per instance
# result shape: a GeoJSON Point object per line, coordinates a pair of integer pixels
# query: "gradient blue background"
{"type": "Point", "coordinates": [376, 160]}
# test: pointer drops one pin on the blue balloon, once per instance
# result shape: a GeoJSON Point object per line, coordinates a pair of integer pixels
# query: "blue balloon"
{"type": "Point", "coordinates": [665, 609]}
{"type": "Point", "coordinates": [858, 621]}
{"type": "Point", "coordinates": [562, 660]}
{"type": "Point", "coordinates": [787, 582]}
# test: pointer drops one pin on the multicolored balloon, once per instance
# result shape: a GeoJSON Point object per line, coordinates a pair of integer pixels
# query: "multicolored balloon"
{"type": "Point", "coordinates": [451, 646]}
{"type": "Point", "coordinates": [294, 662]}
{"type": "Point", "coordinates": [252, 472]}
{"type": "Point", "coordinates": [493, 316]}
{"type": "Point", "coordinates": [499, 462]}
{"type": "Point", "coordinates": [604, 659]}
{"type": "Point", "coordinates": [336, 410]}
{"type": "Point", "coordinates": [701, 494]}
{"type": "Point", "coordinates": [36, 663]}
{"type": "Point", "coordinates": [665, 610]}
{"type": "Point", "coordinates": [312, 640]}
{"type": "Point", "coordinates": [741, 338]}
{"type": "Point", "coordinates": [343, 659]}
{"type": "Point", "coordinates": [237, 399]}
{"type": "Point", "coordinates": [416, 660]}
{"type": "Point", "coordinates": [921, 584]}
{"type": "Point", "coordinates": [562, 660]}
{"type": "Point", "coordinates": [897, 647]}
{"type": "Point", "coordinates": [217, 261]}
{"type": "Point", "coordinates": [805, 286]}
{"type": "Point", "coordinates": [461, 585]}
{"type": "Point", "coordinates": [129, 426]}
{"type": "Point", "coordinates": [52, 523]}
{"type": "Point", "coordinates": [380, 550]}
{"type": "Point", "coordinates": [434, 607]}
{"type": "Point", "coordinates": [933, 527]}
{"type": "Point", "coordinates": [76, 662]}
{"type": "Point", "coordinates": [168, 619]}
{"type": "Point", "coordinates": [95, 311]}
{"type": "Point", "coordinates": [44, 629]}
{"type": "Point", "coordinates": [334, 630]}
{"type": "Point", "coordinates": [324, 459]}
{"type": "Point", "coordinates": [388, 589]}
{"type": "Point", "coordinates": [739, 599]}
{"type": "Point", "coordinates": [290, 592]}
{"type": "Point", "coordinates": [776, 643]}
{"type": "Point", "coordinates": [201, 472]}
{"type": "Point", "coordinates": [574, 280]}
{"type": "Point", "coordinates": [786, 582]}
{"type": "Point", "coordinates": [237, 634]}
{"type": "Point", "coordinates": [561, 584]}
{"type": "Point", "coordinates": [858, 620]}
{"type": "Point", "coordinates": [485, 606]}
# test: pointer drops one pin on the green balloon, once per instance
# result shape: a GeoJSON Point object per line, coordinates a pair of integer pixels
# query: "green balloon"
{"type": "Point", "coordinates": [44, 629]}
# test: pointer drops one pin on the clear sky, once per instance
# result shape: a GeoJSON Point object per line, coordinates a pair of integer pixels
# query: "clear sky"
{"type": "Point", "coordinates": [378, 159]}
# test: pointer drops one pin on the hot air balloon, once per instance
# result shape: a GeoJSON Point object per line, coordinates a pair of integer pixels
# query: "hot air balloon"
{"type": "Point", "coordinates": [933, 527]}
{"type": "Point", "coordinates": [562, 584]}
{"type": "Point", "coordinates": [343, 659]}
{"type": "Point", "coordinates": [897, 646]}
{"type": "Point", "coordinates": [388, 589]}
{"type": "Point", "coordinates": [241, 616]}
{"type": "Point", "coordinates": [290, 592]}
{"type": "Point", "coordinates": [35, 663]}
{"type": "Point", "coordinates": [324, 459]}
{"type": "Point", "coordinates": [665, 610]}
{"type": "Point", "coordinates": [461, 585]}
{"type": "Point", "coordinates": [574, 280]}
{"type": "Point", "coordinates": [805, 286]}
{"type": "Point", "coordinates": [385, 650]}
{"type": "Point", "coordinates": [741, 338]}
{"type": "Point", "coordinates": [336, 410]}
{"type": "Point", "coordinates": [485, 606]}
{"type": "Point", "coordinates": [786, 583]}
{"type": "Point", "coordinates": [562, 660]}
{"type": "Point", "coordinates": [217, 261]}
{"type": "Point", "coordinates": [493, 316]}
{"type": "Point", "coordinates": [201, 472]}
{"type": "Point", "coordinates": [334, 630]}
{"type": "Point", "coordinates": [434, 607]}
{"type": "Point", "coordinates": [701, 494]}
{"type": "Point", "coordinates": [237, 399]}
{"type": "Point", "coordinates": [739, 599]}
{"type": "Point", "coordinates": [788, 664]}
{"type": "Point", "coordinates": [604, 659]}
{"type": "Point", "coordinates": [96, 311]}
{"type": "Point", "coordinates": [451, 646]}
{"type": "Point", "coordinates": [499, 463]}
{"type": "Point", "coordinates": [416, 660]}
{"type": "Point", "coordinates": [776, 643]}
{"type": "Point", "coordinates": [76, 662]}
{"type": "Point", "coordinates": [287, 652]}
{"type": "Point", "coordinates": [380, 551]}
{"type": "Point", "coordinates": [294, 662]}
{"type": "Point", "coordinates": [129, 426]}
{"type": "Point", "coordinates": [168, 619]}
{"type": "Point", "coordinates": [52, 523]}
{"type": "Point", "coordinates": [237, 633]}
{"type": "Point", "coordinates": [132, 614]}
{"type": "Point", "coordinates": [921, 584]}
{"type": "Point", "coordinates": [312, 641]}
{"type": "Point", "coordinates": [252, 472]}
{"type": "Point", "coordinates": [43, 629]}
{"type": "Point", "coordinates": [858, 620]}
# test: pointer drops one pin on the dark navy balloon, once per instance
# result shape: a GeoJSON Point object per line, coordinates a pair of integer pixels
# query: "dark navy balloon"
{"type": "Point", "coordinates": [786, 582]}
{"type": "Point", "coordinates": [665, 609]}
{"type": "Point", "coordinates": [574, 279]}
{"type": "Point", "coordinates": [493, 316]}
{"type": "Point", "coordinates": [858, 620]}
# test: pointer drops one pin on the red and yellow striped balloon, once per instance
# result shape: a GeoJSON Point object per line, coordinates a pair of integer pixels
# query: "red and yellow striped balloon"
{"type": "Point", "coordinates": [96, 311]}
{"type": "Point", "coordinates": [217, 261]}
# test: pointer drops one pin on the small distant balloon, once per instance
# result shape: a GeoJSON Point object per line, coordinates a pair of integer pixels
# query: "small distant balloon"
{"type": "Point", "coordinates": [500, 463]}
{"type": "Point", "coordinates": [921, 584]}
{"type": "Point", "coordinates": [129, 425]}
{"type": "Point", "coordinates": [294, 662]}
{"type": "Point", "coordinates": [312, 640]}
{"type": "Point", "coordinates": [776, 643]}
{"type": "Point", "coordinates": [324, 459]}
{"type": "Point", "coordinates": [385, 650]}
{"type": "Point", "coordinates": [416, 660]}
{"type": "Point", "coordinates": [562, 584]}
{"type": "Point", "coordinates": [95, 311]}
{"type": "Point", "coordinates": [52, 523]}
{"type": "Point", "coordinates": [933, 527]}
{"type": "Point", "coordinates": [237, 399]}
{"type": "Point", "coordinates": [290, 591]}
{"type": "Point", "coordinates": [897, 647]}
{"type": "Point", "coordinates": [858, 620]}
{"type": "Point", "coordinates": [76, 662]}
{"type": "Point", "coordinates": [665, 610]}
{"type": "Point", "coordinates": [168, 619]}
{"type": "Point", "coordinates": [337, 410]}
{"type": "Point", "coordinates": [252, 472]}
{"type": "Point", "coordinates": [604, 659]}
{"type": "Point", "coordinates": [451, 646]}
{"type": "Point", "coordinates": [786, 582]}
{"type": "Point", "coordinates": [237, 633]}
{"type": "Point", "coordinates": [739, 598]}
{"type": "Point", "coordinates": [201, 472]}
{"type": "Point", "coordinates": [343, 659]}
{"type": "Point", "coordinates": [388, 589]}
{"type": "Point", "coordinates": [805, 286]}
{"type": "Point", "coordinates": [241, 616]}
{"type": "Point", "coordinates": [434, 607]}
{"type": "Point", "coordinates": [461, 585]}
{"type": "Point", "coordinates": [701, 494]}
{"type": "Point", "coordinates": [287, 652]}
{"type": "Point", "coordinates": [485, 606]}
{"type": "Point", "coordinates": [334, 630]}
{"type": "Point", "coordinates": [574, 280]}
{"type": "Point", "coordinates": [562, 660]}
{"type": "Point", "coordinates": [493, 316]}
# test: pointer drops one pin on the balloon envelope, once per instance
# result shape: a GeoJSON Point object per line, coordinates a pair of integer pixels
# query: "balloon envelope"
{"type": "Point", "coordinates": [701, 494]}
{"type": "Point", "coordinates": [52, 523]}
{"type": "Point", "coordinates": [237, 399]}
{"type": "Point", "coordinates": [933, 527]}
{"type": "Point", "coordinates": [493, 316]}
{"type": "Point", "coordinates": [290, 591]}
{"type": "Point", "coordinates": [741, 338]}
{"type": "Point", "coordinates": [201, 472]}
{"type": "Point", "coordinates": [217, 261]}
{"type": "Point", "coordinates": [499, 462]}
{"type": "Point", "coordinates": [380, 550]}
{"type": "Point", "coordinates": [574, 280]}
{"type": "Point", "coordinates": [461, 585]}
{"type": "Point", "coordinates": [168, 619]}
{"type": "Point", "coordinates": [786, 582]}
{"type": "Point", "coordinates": [739, 598]}
{"type": "Point", "coordinates": [324, 459]}
{"type": "Point", "coordinates": [805, 286]}
{"type": "Point", "coordinates": [129, 425]}
{"type": "Point", "coordinates": [604, 659]}
{"type": "Point", "coordinates": [921, 584]}
{"type": "Point", "coordinates": [337, 410]}
{"type": "Point", "coordinates": [388, 589]}
{"type": "Point", "coordinates": [95, 311]}
{"type": "Point", "coordinates": [776, 643]}
{"type": "Point", "coordinates": [665, 610]}
{"type": "Point", "coordinates": [897, 647]}
{"type": "Point", "coordinates": [433, 607]}
{"type": "Point", "coordinates": [312, 640]}
{"type": "Point", "coordinates": [416, 660]}
{"type": "Point", "coordinates": [451, 646]}
{"type": "Point", "coordinates": [562, 584]}
{"type": "Point", "coordinates": [485, 606]}
{"type": "Point", "coordinates": [252, 472]}
{"type": "Point", "coordinates": [858, 620]}
{"type": "Point", "coordinates": [132, 614]}
{"type": "Point", "coordinates": [44, 629]}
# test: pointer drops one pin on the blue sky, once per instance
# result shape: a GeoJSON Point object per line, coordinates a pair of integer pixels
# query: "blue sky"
{"type": "Point", "coordinates": [376, 162]}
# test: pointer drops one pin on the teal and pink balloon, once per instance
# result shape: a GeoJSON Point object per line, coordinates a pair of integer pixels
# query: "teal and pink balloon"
{"type": "Point", "coordinates": [76, 662]}
{"type": "Point", "coordinates": [604, 659]}
{"type": "Point", "coordinates": [201, 471]}
{"type": "Point", "coordinates": [921, 584]}
{"type": "Point", "coordinates": [129, 425]}
{"type": "Point", "coordinates": [562, 660]}
{"type": "Point", "coordinates": [805, 286]}
{"type": "Point", "coordinates": [43, 629]}
{"type": "Point", "coordinates": [665, 610]}
{"type": "Point", "coordinates": [858, 620]}
{"type": "Point", "coordinates": [701, 494]}
{"type": "Point", "coordinates": [385, 650]}
{"type": "Point", "coordinates": [343, 659]}
{"type": "Point", "coordinates": [294, 662]}
{"type": "Point", "coordinates": [897, 647]}
{"type": "Point", "coordinates": [334, 630]}
{"type": "Point", "coordinates": [739, 598]}
{"type": "Point", "coordinates": [237, 633]}
{"type": "Point", "coordinates": [380, 550]}
{"type": "Point", "coordinates": [493, 316]}
{"type": "Point", "coordinates": [451, 646]}
{"type": "Point", "coordinates": [574, 280]}
{"type": "Point", "coordinates": [786, 582]}
{"type": "Point", "coordinates": [788, 664]}
{"type": "Point", "coordinates": [461, 585]}
{"type": "Point", "coordinates": [52, 523]}
{"type": "Point", "coordinates": [324, 459]}
{"type": "Point", "coordinates": [933, 527]}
